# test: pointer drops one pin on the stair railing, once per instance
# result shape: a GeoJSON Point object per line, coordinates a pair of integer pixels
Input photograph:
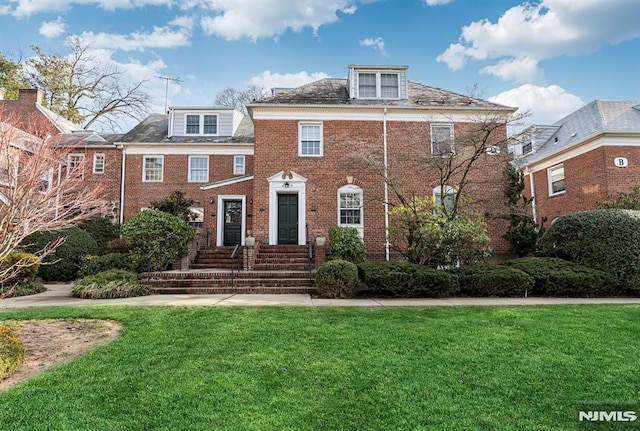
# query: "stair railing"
{"type": "Point", "coordinates": [309, 250]}
{"type": "Point", "coordinates": [236, 262]}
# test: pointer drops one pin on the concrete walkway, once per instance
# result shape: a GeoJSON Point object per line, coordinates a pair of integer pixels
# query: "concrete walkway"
{"type": "Point", "coordinates": [59, 295]}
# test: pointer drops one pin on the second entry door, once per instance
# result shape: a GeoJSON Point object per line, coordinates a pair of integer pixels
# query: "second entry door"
{"type": "Point", "coordinates": [232, 222]}
{"type": "Point", "coordinates": [287, 219]}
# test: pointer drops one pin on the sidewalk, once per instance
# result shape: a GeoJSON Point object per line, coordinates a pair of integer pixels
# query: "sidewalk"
{"type": "Point", "coordinates": [59, 295]}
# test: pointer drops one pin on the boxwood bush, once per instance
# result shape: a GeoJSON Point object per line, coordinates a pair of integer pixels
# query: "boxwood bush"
{"type": "Point", "coordinates": [64, 263]}
{"type": "Point", "coordinates": [27, 274]}
{"type": "Point", "coordinates": [94, 264]}
{"type": "Point", "coordinates": [493, 280]}
{"type": "Point", "coordinates": [11, 352]}
{"type": "Point", "coordinates": [405, 280]}
{"type": "Point", "coordinates": [115, 283]}
{"type": "Point", "coordinates": [559, 277]}
{"type": "Point", "coordinates": [605, 239]}
{"type": "Point", "coordinates": [345, 244]}
{"type": "Point", "coordinates": [337, 279]}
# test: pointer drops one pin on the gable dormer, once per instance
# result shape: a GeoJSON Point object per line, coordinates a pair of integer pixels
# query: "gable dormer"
{"type": "Point", "coordinates": [203, 121]}
{"type": "Point", "coordinates": [377, 82]}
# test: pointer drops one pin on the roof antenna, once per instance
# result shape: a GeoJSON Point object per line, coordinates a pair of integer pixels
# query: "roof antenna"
{"type": "Point", "coordinates": [166, 88]}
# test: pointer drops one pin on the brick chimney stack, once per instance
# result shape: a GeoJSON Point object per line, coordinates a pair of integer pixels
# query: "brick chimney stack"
{"type": "Point", "coordinates": [29, 96]}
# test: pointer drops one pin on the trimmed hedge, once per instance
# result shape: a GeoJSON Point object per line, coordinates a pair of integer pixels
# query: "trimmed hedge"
{"type": "Point", "coordinates": [11, 352]}
{"type": "Point", "coordinates": [493, 280]}
{"type": "Point", "coordinates": [26, 274]}
{"type": "Point", "coordinates": [64, 263]}
{"type": "Point", "coordinates": [605, 239]}
{"type": "Point", "coordinates": [405, 280]}
{"type": "Point", "coordinates": [559, 277]}
{"type": "Point", "coordinates": [337, 279]}
{"type": "Point", "coordinates": [115, 283]}
{"type": "Point", "coordinates": [94, 264]}
{"type": "Point", "coordinates": [345, 244]}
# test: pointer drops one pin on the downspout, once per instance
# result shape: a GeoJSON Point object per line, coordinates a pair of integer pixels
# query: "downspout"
{"type": "Point", "coordinates": [533, 198]}
{"type": "Point", "coordinates": [124, 159]}
{"type": "Point", "coordinates": [386, 185]}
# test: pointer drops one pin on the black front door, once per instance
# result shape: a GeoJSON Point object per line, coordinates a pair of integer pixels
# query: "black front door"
{"type": "Point", "coordinates": [232, 222]}
{"type": "Point", "coordinates": [287, 219]}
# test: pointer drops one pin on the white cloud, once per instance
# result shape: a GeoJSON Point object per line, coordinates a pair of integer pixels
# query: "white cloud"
{"type": "Point", "coordinates": [546, 104]}
{"type": "Point", "coordinates": [437, 2]}
{"type": "Point", "coordinates": [237, 19]}
{"type": "Point", "coordinates": [160, 37]}
{"type": "Point", "coordinates": [531, 32]}
{"type": "Point", "coordinates": [377, 44]}
{"type": "Point", "coordinates": [52, 29]}
{"type": "Point", "coordinates": [269, 80]}
{"type": "Point", "coordinates": [183, 21]}
{"type": "Point", "coordinates": [29, 7]}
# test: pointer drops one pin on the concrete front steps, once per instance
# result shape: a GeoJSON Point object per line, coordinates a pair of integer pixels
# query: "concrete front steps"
{"type": "Point", "coordinates": [222, 281]}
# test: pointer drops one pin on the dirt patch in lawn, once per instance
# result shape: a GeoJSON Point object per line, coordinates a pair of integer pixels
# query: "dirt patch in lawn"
{"type": "Point", "coordinates": [49, 343]}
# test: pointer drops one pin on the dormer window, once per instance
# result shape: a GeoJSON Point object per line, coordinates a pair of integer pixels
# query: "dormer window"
{"type": "Point", "coordinates": [378, 85]}
{"type": "Point", "coordinates": [201, 124]}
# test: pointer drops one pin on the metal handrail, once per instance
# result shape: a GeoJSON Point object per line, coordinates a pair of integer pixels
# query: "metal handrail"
{"type": "Point", "coordinates": [235, 261]}
{"type": "Point", "coordinates": [309, 250]}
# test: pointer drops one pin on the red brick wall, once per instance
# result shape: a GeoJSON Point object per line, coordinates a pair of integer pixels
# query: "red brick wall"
{"type": "Point", "coordinates": [590, 178]}
{"type": "Point", "coordinates": [276, 149]}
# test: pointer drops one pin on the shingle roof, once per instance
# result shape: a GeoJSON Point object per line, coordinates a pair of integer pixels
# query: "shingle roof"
{"type": "Point", "coordinates": [86, 139]}
{"type": "Point", "coordinates": [333, 91]}
{"type": "Point", "coordinates": [597, 117]}
{"type": "Point", "coordinates": [154, 129]}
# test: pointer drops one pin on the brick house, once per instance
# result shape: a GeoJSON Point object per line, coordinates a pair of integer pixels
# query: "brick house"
{"type": "Point", "coordinates": [205, 152]}
{"type": "Point", "coordinates": [587, 157]}
{"type": "Point", "coordinates": [307, 177]}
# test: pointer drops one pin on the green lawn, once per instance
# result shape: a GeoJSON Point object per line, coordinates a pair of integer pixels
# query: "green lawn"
{"type": "Point", "coordinates": [272, 368]}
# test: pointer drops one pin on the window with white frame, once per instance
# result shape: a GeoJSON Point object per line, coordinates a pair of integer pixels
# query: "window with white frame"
{"type": "Point", "coordinates": [198, 169]}
{"type": "Point", "coordinates": [350, 206]}
{"type": "Point", "coordinates": [442, 140]}
{"type": "Point", "coordinates": [75, 166]}
{"type": "Point", "coordinates": [152, 169]}
{"type": "Point", "coordinates": [238, 165]}
{"type": "Point", "coordinates": [556, 180]}
{"type": "Point", "coordinates": [444, 196]}
{"type": "Point", "coordinates": [527, 147]}
{"type": "Point", "coordinates": [378, 85]}
{"type": "Point", "coordinates": [201, 124]}
{"type": "Point", "coordinates": [310, 139]}
{"type": "Point", "coordinates": [98, 163]}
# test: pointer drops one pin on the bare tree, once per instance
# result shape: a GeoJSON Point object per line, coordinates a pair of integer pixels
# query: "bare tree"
{"type": "Point", "coordinates": [239, 99]}
{"type": "Point", "coordinates": [86, 90]}
{"type": "Point", "coordinates": [39, 190]}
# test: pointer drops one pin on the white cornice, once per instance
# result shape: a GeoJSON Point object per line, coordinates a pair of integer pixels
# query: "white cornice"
{"type": "Point", "coordinates": [228, 150]}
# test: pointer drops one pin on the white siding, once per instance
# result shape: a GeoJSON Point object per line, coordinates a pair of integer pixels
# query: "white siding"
{"type": "Point", "coordinates": [226, 120]}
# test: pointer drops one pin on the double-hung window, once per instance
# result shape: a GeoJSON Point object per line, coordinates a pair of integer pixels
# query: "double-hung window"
{"type": "Point", "coordinates": [350, 206]}
{"type": "Point", "coordinates": [198, 169]}
{"type": "Point", "coordinates": [442, 140]}
{"type": "Point", "coordinates": [75, 166]}
{"type": "Point", "coordinates": [556, 180]}
{"type": "Point", "coordinates": [152, 169]}
{"type": "Point", "coordinates": [210, 125]}
{"type": "Point", "coordinates": [201, 124]}
{"type": "Point", "coordinates": [193, 125]}
{"type": "Point", "coordinates": [98, 163]}
{"type": "Point", "coordinates": [238, 165]}
{"type": "Point", "coordinates": [444, 198]}
{"type": "Point", "coordinates": [378, 85]}
{"type": "Point", "coordinates": [310, 139]}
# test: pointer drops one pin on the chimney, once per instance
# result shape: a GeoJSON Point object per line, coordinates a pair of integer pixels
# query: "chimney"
{"type": "Point", "coordinates": [29, 96]}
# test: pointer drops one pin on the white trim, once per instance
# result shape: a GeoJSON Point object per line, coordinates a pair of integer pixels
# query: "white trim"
{"type": "Point", "coordinates": [318, 124]}
{"type": "Point", "coordinates": [550, 183]}
{"type": "Point", "coordinates": [4, 199]}
{"type": "Point", "coordinates": [83, 158]}
{"type": "Point", "coordinates": [189, 167]}
{"type": "Point", "coordinates": [144, 164]}
{"type": "Point", "coordinates": [244, 165]}
{"type": "Point", "coordinates": [451, 137]}
{"type": "Point", "coordinates": [187, 149]}
{"type": "Point", "coordinates": [220, 221]}
{"type": "Point", "coordinates": [378, 83]}
{"type": "Point", "coordinates": [297, 184]}
{"type": "Point", "coordinates": [352, 188]}
{"type": "Point", "coordinates": [226, 182]}
{"type": "Point", "coordinates": [201, 116]}
{"type": "Point", "coordinates": [104, 163]}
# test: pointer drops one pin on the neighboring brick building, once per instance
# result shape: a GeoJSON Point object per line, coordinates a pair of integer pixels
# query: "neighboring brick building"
{"type": "Point", "coordinates": [307, 176]}
{"type": "Point", "coordinates": [587, 157]}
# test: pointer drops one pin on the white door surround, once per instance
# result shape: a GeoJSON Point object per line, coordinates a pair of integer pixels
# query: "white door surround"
{"type": "Point", "coordinates": [281, 183]}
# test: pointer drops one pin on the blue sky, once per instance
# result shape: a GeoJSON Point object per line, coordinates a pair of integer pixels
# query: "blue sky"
{"type": "Point", "coordinates": [547, 56]}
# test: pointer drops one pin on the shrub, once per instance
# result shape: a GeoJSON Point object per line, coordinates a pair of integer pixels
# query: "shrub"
{"type": "Point", "coordinates": [559, 277]}
{"type": "Point", "coordinates": [158, 239]}
{"type": "Point", "coordinates": [345, 244]}
{"type": "Point", "coordinates": [63, 264]}
{"type": "Point", "coordinates": [29, 265]}
{"type": "Point", "coordinates": [405, 280]}
{"type": "Point", "coordinates": [22, 290]}
{"type": "Point", "coordinates": [94, 264]}
{"type": "Point", "coordinates": [493, 280]}
{"type": "Point", "coordinates": [118, 245]}
{"type": "Point", "coordinates": [337, 279]}
{"type": "Point", "coordinates": [115, 283]}
{"type": "Point", "coordinates": [102, 230]}
{"type": "Point", "coordinates": [605, 239]}
{"type": "Point", "coordinates": [11, 352]}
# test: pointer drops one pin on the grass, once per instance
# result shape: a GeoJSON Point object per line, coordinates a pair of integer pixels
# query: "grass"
{"type": "Point", "coordinates": [273, 368]}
